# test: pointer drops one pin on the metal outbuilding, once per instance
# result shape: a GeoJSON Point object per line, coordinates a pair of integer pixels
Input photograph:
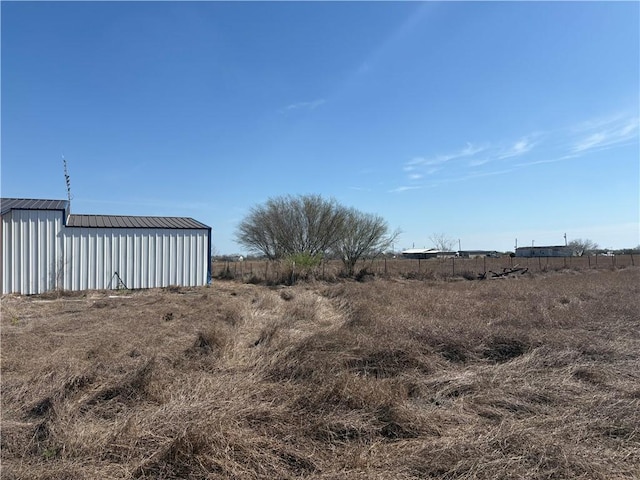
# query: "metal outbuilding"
{"type": "Point", "coordinates": [420, 253]}
{"type": "Point", "coordinates": [43, 247]}
{"type": "Point", "coordinates": [424, 253]}
{"type": "Point", "coordinates": [545, 251]}
{"type": "Point", "coordinates": [478, 253]}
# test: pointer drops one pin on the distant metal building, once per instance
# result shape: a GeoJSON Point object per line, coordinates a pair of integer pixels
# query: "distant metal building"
{"type": "Point", "coordinates": [478, 253]}
{"type": "Point", "coordinates": [549, 251]}
{"type": "Point", "coordinates": [423, 253]}
{"type": "Point", "coordinates": [43, 248]}
{"type": "Point", "coordinates": [420, 253]}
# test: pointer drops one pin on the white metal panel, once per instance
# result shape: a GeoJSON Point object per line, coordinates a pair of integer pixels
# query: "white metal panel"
{"type": "Point", "coordinates": [179, 252]}
{"type": "Point", "coordinates": [144, 260]}
{"type": "Point", "coordinates": [166, 265]}
{"type": "Point", "coordinates": [31, 251]}
{"type": "Point", "coordinates": [171, 258]}
{"type": "Point", "coordinates": [100, 240]}
{"type": "Point", "coordinates": [40, 254]}
{"type": "Point", "coordinates": [141, 258]}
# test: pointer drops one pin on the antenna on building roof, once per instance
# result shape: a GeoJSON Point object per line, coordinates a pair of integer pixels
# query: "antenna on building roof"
{"type": "Point", "coordinates": [67, 180]}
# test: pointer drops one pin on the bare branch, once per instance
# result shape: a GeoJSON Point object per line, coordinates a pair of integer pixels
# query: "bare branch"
{"type": "Point", "coordinates": [442, 241]}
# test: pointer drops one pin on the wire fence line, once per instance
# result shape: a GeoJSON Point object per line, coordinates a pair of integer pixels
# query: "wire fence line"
{"type": "Point", "coordinates": [271, 271]}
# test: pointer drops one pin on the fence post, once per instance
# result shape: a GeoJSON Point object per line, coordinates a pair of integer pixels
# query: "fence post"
{"type": "Point", "coordinates": [418, 265]}
{"type": "Point", "coordinates": [632, 264]}
{"type": "Point", "coordinates": [453, 266]}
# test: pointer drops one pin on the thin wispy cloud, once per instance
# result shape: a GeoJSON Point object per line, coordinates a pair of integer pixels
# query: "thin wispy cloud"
{"type": "Point", "coordinates": [468, 151]}
{"type": "Point", "coordinates": [599, 123]}
{"type": "Point", "coordinates": [487, 174]}
{"type": "Point", "coordinates": [497, 158]}
{"type": "Point", "coordinates": [478, 162]}
{"type": "Point", "coordinates": [419, 167]}
{"type": "Point", "coordinates": [304, 105]}
{"type": "Point", "coordinates": [404, 188]}
{"type": "Point", "coordinates": [607, 135]}
{"type": "Point", "coordinates": [547, 160]}
{"type": "Point", "coordinates": [416, 172]}
{"type": "Point", "coordinates": [521, 147]}
{"type": "Point", "coordinates": [470, 176]}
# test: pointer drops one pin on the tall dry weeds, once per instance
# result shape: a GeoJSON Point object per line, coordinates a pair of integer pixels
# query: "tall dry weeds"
{"type": "Point", "coordinates": [531, 378]}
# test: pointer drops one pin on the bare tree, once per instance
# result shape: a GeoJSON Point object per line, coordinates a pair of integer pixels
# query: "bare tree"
{"type": "Point", "coordinates": [364, 235]}
{"type": "Point", "coordinates": [288, 225]}
{"type": "Point", "coordinates": [442, 242]}
{"type": "Point", "coordinates": [306, 227]}
{"type": "Point", "coordinates": [580, 246]}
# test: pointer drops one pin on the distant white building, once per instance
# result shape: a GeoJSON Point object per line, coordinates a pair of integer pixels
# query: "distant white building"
{"type": "Point", "coordinates": [422, 253]}
{"type": "Point", "coordinates": [478, 253]}
{"type": "Point", "coordinates": [542, 251]}
{"type": "Point", "coordinates": [43, 247]}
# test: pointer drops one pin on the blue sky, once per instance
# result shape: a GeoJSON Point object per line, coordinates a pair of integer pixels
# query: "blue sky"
{"type": "Point", "coordinates": [485, 121]}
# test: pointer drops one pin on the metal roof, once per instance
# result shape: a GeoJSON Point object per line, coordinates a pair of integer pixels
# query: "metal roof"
{"type": "Point", "coordinates": [8, 204]}
{"type": "Point", "coordinates": [538, 247]}
{"type": "Point", "coordinates": [99, 221]}
{"type": "Point", "coordinates": [421, 250]}
{"type": "Point", "coordinates": [119, 221]}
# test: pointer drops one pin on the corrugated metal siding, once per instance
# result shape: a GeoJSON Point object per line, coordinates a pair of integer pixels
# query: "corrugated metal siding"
{"type": "Point", "coordinates": [40, 254]}
{"type": "Point", "coordinates": [543, 251]}
{"type": "Point", "coordinates": [142, 258]}
{"type": "Point", "coordinates": [31, 250]}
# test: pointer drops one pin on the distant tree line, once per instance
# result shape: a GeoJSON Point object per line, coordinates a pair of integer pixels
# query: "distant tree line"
{"type": "Point", "coordinates": [308, 228]}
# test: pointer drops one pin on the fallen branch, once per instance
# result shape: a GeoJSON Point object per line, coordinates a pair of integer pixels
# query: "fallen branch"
{"type": "Point", "coordinates": [509, 271]}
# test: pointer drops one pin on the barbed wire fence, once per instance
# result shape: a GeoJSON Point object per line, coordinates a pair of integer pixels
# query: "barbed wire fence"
{"type": "Point", "coordinates": [274, 272]}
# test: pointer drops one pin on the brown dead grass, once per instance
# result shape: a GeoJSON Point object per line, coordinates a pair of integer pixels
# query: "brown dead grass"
{"type": "Point", "coordinates": [536, 377]}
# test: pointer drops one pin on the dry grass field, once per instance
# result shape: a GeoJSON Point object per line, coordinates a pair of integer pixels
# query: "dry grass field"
{"type": "Point", "coordinates": [534, 377]}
